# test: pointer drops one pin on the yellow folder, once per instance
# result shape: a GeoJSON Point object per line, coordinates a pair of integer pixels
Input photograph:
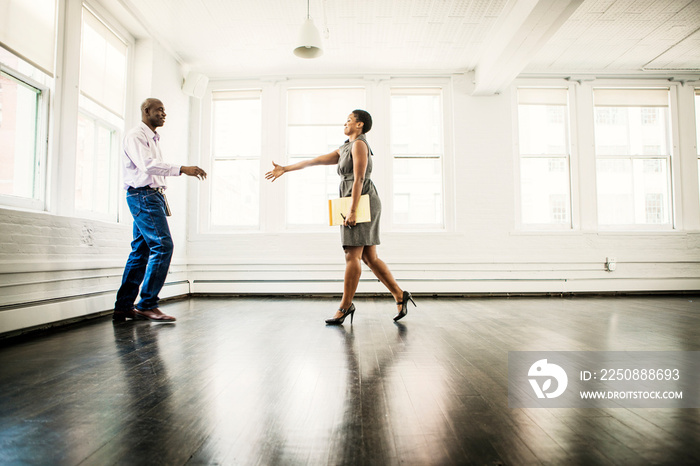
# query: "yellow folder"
{"type": "Point", "coordinates": [339, 206]}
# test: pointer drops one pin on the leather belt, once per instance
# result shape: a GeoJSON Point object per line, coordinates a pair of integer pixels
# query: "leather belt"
{"type": "Point", "coordinates": [148, 188]}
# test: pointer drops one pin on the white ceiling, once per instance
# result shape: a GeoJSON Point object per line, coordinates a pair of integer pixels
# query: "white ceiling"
{"type": "Point", "coordinates": [499, 39]}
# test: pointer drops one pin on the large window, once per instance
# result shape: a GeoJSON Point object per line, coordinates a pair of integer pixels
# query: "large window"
{"type": "Point", "coordinates": [543, 142]}
{"type": "Point", "coordinates": [697, 129]}
{"type": "Point", "coordinates": [236, 149]}
{"type": "Point", "coordinates": [633, 157]}
{"type": "Point", "coordinates": [417, 151]}
{"type": "Point", "coordinates": [23, 115]}
{"type": "Point", "coordinates": [315, 120]}
{"type": "Point", "coordinates": [96, 162]}
{"type": "Point", "coordinates": [100, 121]}
{"type": "Point", "coordinates": [18, 136]}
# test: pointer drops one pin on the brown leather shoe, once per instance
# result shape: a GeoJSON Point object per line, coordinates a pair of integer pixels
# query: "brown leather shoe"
{"type": "Point", "coordinates": [154, 315]}
{"type": "Point", "coordinates": [121, 316]}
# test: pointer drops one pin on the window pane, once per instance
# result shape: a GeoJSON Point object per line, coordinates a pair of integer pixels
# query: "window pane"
{"type": "Point", "coordinates": [236, 148]}
{"type": "Point", "coordinates": [416, 126]}
{"type": "Point", "coordinates": [236, 128]}
{"type": "Point", "coordinates": [311, 188]}
{"type": "Point", "coordinates": [543, 126]}
{"type": "Point", "coordinates": [84, 159]}
{"type": "Point", "coordinates": [543, 129]}
{"type": "Point", "coordinates": [416, 144]}
{"type": "Point", "coordinates": [633, 191]}
{"type": "Point", "coordinates": [306, 140]}
{"type": "Point", "coordinates": [323, 106]}
{"type": "Point", "coordinates": [315, 119]}
{"type": "Point", "coordinates": [235, 193]}
{"type": "Point", "coordinates": [18, 137]}
{"type": "Point", "coordinates": [418, 191]}
{"type": "Point", "coordinates": [102, 64]}
{"type": "Point", "coordinates": [631, 131]}
{"type": "Point", "coordinates": [95, 166]}
{"type": "Point", "coordinates": [544, 188]}
{"type": "Point", "coordinates": [697, 128]}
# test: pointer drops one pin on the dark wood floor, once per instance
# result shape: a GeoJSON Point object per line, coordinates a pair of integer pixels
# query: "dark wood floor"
{"type": "Point", "coordinates": [264, 381]}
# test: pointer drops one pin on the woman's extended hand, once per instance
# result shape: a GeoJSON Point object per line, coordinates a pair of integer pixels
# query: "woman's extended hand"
{"type": "Point", "coordinates": [275, 172]}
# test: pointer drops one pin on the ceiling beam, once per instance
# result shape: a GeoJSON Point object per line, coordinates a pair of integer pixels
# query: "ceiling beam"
{"type": "Point", "coordinates": [526, 28]}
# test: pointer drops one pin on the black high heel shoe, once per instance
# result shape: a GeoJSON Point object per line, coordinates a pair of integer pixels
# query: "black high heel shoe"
{"type": "Point", "coordinates": [404, 306]}
{"type": "Point", "coordinates": [346, 312]}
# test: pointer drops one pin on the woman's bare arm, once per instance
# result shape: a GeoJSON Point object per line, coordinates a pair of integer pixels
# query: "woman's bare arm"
{"type": "Point", "coordinates": [279, 170]}
{"type": "Point", "coordinates": [360, 159]}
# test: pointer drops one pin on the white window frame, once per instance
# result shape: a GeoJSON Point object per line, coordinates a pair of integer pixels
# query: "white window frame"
{"type": "Point", "coordinates": [571, 158]}
{"type": "Point", "coordinates": [326, 85]}
{"type": "Point", "coordinates": [435, 87]}
{"type": "Point", "coordinates": [696, 127]}
{"type": "Point", "coordinates": [209, 166]}
{"type": "Point", "coordinates": [38, 201]}
{"type": "Point", "coordinates": [201, 143]}
{"type": "Point", "coordinates": [106, 117]}
{"type": "Point", "coordinates": [90, 110]}
{"type": "Point", "coordinates": [673, 156]}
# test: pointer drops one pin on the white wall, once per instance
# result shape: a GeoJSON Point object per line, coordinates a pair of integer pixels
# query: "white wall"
{"type": "Point", "coordinates": [486, 251]}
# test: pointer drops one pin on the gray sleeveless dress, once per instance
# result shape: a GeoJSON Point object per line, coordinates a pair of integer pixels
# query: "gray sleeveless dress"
{"type": "Point", "coordinates": [362, 234]}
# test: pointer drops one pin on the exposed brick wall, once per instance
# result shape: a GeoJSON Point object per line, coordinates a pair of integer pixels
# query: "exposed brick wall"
{"type": "Point", "coordinates": [43, 239]}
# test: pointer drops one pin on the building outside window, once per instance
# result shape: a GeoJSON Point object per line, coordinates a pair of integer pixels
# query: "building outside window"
{"type": "Point", "coordinates": [417, 152]}
{"type": "Point", "coordinates": [544, 153]}
{"type": "Point", "coordinates": [633, 158]}
{"type": "Point", "coordinates": [236, 149]}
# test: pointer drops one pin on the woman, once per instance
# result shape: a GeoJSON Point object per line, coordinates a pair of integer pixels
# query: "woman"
{"type": "Point", "coordinates": [359, 240]}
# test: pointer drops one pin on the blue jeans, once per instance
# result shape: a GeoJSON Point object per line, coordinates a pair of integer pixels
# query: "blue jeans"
{"type": "Point", "coordinates": [151, 251]}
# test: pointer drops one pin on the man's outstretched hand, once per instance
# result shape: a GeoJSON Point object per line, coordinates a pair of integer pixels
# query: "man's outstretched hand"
{"type": "Point", "coordinates": [193, 171]}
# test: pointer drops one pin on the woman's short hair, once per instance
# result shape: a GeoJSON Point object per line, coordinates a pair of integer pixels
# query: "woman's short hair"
{"type": "Point", "coordinates": [365, 118]}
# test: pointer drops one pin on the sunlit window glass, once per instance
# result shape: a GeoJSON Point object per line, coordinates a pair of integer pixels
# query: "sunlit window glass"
{"type": "Point", "coordinates": [417, 151]}
{"type": "Point", "coordinates": [19, 104]}
{"type": "Point", "coordinates": [543, 127]}
{"type": "Point", "coordinates": [100, 122]}
{"type": "Point", "coordinates": [95, 165]}
{"type": "Point", "coordinates": [315, 120]}
{"type": "Point", "coordinates": [102, 64]}
{"type": "Point", "coordinates": [633, 157]}
{"type": "Point", "coordinates": [697, 129]}
{"type": "Point", "coordinates": [236, 148]}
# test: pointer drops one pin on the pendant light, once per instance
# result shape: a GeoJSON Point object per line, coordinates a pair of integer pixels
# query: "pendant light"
{"type": "Point", "coordinates": [309, 42]}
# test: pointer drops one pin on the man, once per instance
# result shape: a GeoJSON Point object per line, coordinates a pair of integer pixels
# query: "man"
{"type": "Point", "coordinates": [152, 248]}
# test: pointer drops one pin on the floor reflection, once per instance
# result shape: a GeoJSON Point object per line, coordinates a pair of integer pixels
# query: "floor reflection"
{"type": "Point", "coordinates": [143, 395]}
{"type": "Point", "coordinates": [263, 381]}
{"type": "Point", "coordinates": [395, 404]}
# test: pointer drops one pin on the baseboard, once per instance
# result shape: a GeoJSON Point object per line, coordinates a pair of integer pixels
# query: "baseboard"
{"type": "Point", "coordinates": [41, 315]}
{"type": "Point", "coordinates": [35, 317]}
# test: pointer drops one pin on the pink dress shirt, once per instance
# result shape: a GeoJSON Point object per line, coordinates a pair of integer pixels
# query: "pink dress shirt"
{"type": "Point", "coordinates": [143, 163]}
